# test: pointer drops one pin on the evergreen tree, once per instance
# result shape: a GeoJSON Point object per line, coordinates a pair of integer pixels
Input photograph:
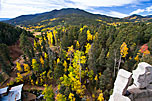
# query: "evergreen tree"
{"type": "Point", "coordinates": [64, 41]}
{"type": "Point", "coordinates": [26, 46]}
{"type": "Point", "coordinates": [5, 54]}
{"type": "Point", "coordinates": [82, 38]}
{"type": "Point", "coordinates": [5, 66]}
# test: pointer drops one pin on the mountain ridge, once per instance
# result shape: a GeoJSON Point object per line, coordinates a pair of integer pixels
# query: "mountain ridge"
{"type": "Point", "coordinates": [136, 17]}
{"type": "Point", "coordinates": [32, 19]}
{"type": "Point", "coordinates": [35, 18]}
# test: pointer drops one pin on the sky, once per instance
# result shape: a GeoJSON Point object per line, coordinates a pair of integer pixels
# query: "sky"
{"type": "Point", "coordinates": [114, 8]}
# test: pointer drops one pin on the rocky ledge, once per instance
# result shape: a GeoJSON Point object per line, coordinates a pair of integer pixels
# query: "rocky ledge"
{"type": "Point", "coordinates": [140, 81]}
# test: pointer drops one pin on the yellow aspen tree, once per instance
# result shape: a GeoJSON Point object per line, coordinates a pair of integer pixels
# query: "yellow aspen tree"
{"type": "Point", "coordinates": [71, 97]}
{"type": "Point", "coordinates": [79, 59]}
{"type": "Point", "coordinates": [41, 60]}
{"type": "Point", "coordinates": [45, 56]}
{"type": "Point", "coordinates": [35, 45]}
{"type": "Point", "coordinates": [70, 51]}
{"type": "Point", "coordinates": [42, 77]}
{"type": "Point", "coordinates": [137, 57]}
{"type": "Point", "coordinates": [26, 68]}
{"type": "Point", "coordinates": [50, 38]}
{"type": "Point", "coordinates": [19, 77]}
{"type": "Point", "coordinates": [81, 29]}
{"type": "Point", "coordinates": [35, 66]}
{"type": "Point", "coordinates": [88, 47]}
{"type": "Point", "coordinates": [130, 58]}
{"type": "Point", "coordinates": [54, 33]}
{"type": "Point", "coordinates": [18, 66]}
{"type": "Point", "coordinates": [96, 77]}
{"type": "Point", "coordinates": [49, 75]}
{"type": "Point", "coordinates": [93, 96]}
{"type": "Point", "coordinates": [58, 60]}
{"type": "Point", "coordinates": [95, 36]}
{"type": "Point", "coordinates": [36, 82]}
{"type": "Point", "coordinates": [89, 36]}
{"type": "Point", "coordinates": [60, 97]}
{"type": "Point", "coordinates": [123, 52]}
{"type": "Point", "coordinates": [73, 79]}
{"type": "Point", "coordinates": [108, 54]}
{"type": "Point", "coordinates": [32, 82]}
{"type": "Point", "coordinates": [100, 97]}
{"type": "Point", "coordinates": [65, 65]}
{"type": "Point", "coordinates": [48, 93]}
{"type": "Point", "coordinates": [78, 45]}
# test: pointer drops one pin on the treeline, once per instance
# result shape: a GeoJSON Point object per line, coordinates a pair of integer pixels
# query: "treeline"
{"type": "Point", "coordinates": [83, 60]}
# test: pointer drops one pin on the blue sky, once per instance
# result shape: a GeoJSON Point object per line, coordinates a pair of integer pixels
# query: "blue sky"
{"type": "Point", "coordinates": [114, 8]}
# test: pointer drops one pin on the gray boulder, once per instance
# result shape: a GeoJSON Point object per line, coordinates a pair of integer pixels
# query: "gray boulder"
{"type": "Point", "coordinates": [142, 75]}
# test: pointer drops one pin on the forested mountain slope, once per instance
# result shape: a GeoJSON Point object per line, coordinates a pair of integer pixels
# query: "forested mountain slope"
{"type": "Point", "coordinates": [63, 13]}
{"type": "Point", "coordinates": [139, 18]}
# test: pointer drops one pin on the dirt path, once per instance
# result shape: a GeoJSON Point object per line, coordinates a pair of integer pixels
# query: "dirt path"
{"type": "Point", "coordinates": [33, 87]}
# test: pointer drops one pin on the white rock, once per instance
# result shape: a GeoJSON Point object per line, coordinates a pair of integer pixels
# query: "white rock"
{"type": "Point", "coordinates": [142, 75]}
{"type": "Point", "coordinates": [122, 82]}
{"type": "Point", "coordinates": [118, 97]}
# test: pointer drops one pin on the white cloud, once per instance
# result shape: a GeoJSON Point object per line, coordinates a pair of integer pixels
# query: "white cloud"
{"type": "Point", "coordinates": [13, 8]}
{"type": "Point", "coordinates": [110, 13]}
{"type": "Point", "coordinates": [149, 9]}
{"type": "Point", "coordinates": [137, 11]}
{"type": "Point", "coordinates": [117, 14]}
{"type": "Point", "coordinates": [106, 3]}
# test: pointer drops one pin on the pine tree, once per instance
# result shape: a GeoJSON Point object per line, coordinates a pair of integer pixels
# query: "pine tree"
{"type": "Point", "coordinates": [43, 43]}
{"type": "Point", "coordinates": [26, 46]}
{"type": "Point", "coordinates": [5, 54]}
{"type": "Point", "coordinates": [101, 61]}
{"type": "Point", "coordinates": [5, 67]}
{"type": "Point", "coordinates": [82, 38]}
{"type": "Point", "coordinates": [64, 41]}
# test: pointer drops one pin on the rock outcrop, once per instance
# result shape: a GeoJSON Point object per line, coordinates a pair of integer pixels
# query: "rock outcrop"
{"type": "Point", "coordinates": [140, 90]}
{"type": "Point", "coordinates": [122, 82]}
{"type": "Point", "coordinates": [118, 97]}
{"type": "Point", "coordinates": [120, 86]}
{"type": "Point", "coordinates": [142, 75]}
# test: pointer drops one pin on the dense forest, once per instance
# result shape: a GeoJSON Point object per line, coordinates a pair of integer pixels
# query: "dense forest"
{"type": "Point", "coordinates": [82, 60]}
{"type": "Point", "coordinates": [79, 60]}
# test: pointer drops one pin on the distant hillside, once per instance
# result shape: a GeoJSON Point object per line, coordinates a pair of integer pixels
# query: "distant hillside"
{"type": "Point", "coordinates": [3, 19]}
{"type": "Point", "coordinates": [148, 16]}
{"type": "Point", "coordinates": [139, 18]}
{"type": "Point", "coordinates": [63, 14]}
